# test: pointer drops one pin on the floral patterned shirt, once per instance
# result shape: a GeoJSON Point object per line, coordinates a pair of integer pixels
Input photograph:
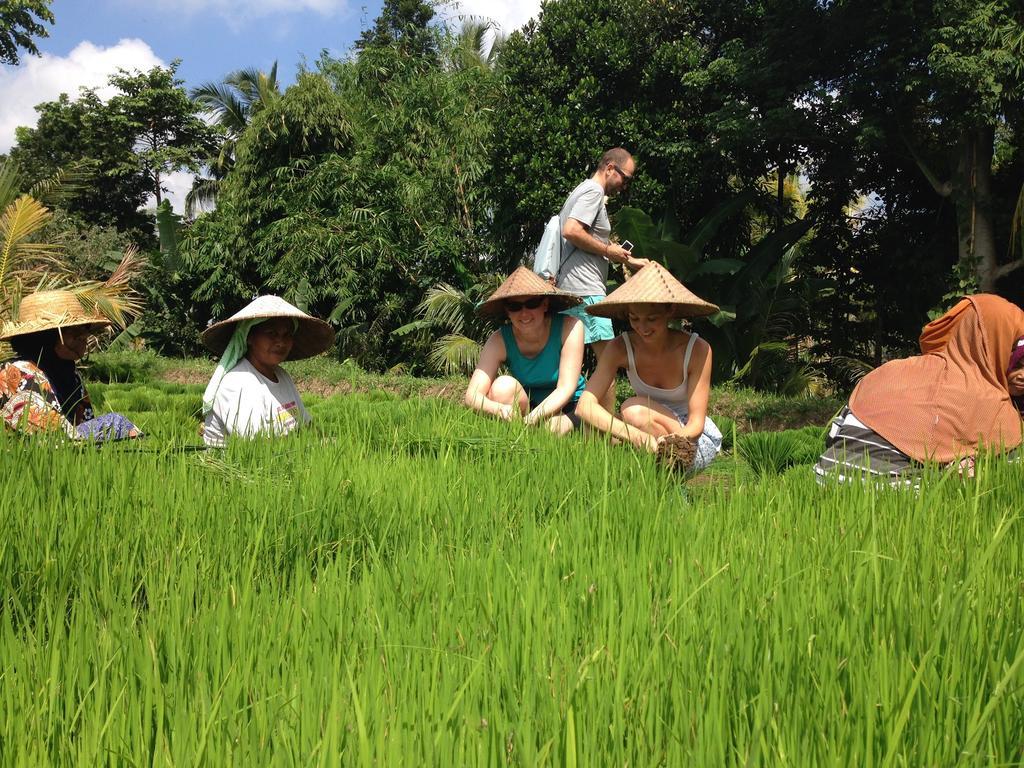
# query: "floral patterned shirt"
{"type": "Point", "coordinates": [27, 401]}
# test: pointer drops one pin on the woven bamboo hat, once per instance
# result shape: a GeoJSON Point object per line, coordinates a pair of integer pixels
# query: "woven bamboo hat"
{"type": "Point", "coordinates": [653, 285]}
{"type": "Point", "coordinates": [524, 284]}
{"type": "Point", "coordinates": [312, 336]}
{"type": "Point", "coordinates": [47, 310]}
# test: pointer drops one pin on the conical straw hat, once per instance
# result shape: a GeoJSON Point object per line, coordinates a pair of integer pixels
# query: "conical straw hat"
{"type": "Point", "coordinates": [312, 336]}
{"type": "Point", "coordinates": [523, 284]}
{"type": "Point", "coordinates": [653, 285]}
{"type": "Point", "coordinates": [46, 310]}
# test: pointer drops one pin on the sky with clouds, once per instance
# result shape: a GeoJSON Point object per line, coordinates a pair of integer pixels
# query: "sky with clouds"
{"type": "Point", "coordinates": [93, 38]}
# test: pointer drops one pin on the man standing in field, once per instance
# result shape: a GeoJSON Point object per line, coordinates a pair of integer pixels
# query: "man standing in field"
{"type": "Point", "coordinates": [583, 270]}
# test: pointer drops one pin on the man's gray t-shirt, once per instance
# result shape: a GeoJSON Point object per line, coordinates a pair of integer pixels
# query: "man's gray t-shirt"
{"type": "Point", "coordinates": [583, 273]}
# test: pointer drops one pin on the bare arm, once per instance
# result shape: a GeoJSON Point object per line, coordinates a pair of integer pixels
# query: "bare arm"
{"type": "Point", "coordinates": [699, 385]}
{"type": "Point", "coordinates": [577, 233]}
{"type": "Point", "coordinates": [590, 409]}
{"type": "Point", "coordinates": [492, 356]}
{"type": "Point", "coordinates": [570, 363]}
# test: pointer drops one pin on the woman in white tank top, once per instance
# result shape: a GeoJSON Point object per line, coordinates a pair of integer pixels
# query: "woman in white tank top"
{"type": "Point", "coordinates": [670, 370]}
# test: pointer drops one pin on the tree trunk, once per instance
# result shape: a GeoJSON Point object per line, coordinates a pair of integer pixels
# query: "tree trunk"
{"type": "Point", "coordinates": [780, 194]}
{"type": "Point", "coordinates": [970, 187]}
{"type": "Point", "coordinates": [972, 191]}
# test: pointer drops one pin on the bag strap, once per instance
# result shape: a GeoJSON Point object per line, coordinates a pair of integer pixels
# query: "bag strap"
{"type": "Point", "coordinates": [569, 203]}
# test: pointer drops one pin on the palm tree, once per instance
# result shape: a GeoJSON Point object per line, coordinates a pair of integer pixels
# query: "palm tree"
{"type": "Point", "coordinates": [27, 265]}
{"type": "Point", "coordinates": [232, 104]}
{"type": "Point", "coordinates": [450, 309]}
{"type": "Point", "coordinates": [478, 44]}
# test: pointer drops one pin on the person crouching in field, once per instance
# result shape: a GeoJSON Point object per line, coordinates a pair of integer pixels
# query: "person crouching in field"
{"type": "Point", "coordinates": [670, 371]}
{"type": "Point", "coordinates": [543, 351]}
{"type": "Point", "coordinates": [41, 390]}
{"type": "Point", "coordinates": [250, 393]}
{"type": "Point", "coordinates": [964, 392]}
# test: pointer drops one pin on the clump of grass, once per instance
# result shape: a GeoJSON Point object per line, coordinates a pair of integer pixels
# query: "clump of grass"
{"type": "Point", "coordinates": [135, 366]}
{"type": "Point", "coordinates": [771, 453]}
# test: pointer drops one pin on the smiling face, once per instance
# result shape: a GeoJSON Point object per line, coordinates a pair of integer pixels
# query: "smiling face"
{"type": "Point", "coordinates": [525, 314]}
{"type": "Point", "coordinates": [270, 343]}
{"type": "Point", "coordinates": [649, 321]}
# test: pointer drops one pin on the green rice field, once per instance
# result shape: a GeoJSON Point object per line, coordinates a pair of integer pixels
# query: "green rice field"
{"type": "Point", "coordinates": [410, 584]}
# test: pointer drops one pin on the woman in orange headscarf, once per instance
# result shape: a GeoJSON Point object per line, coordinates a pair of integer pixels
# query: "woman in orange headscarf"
{"type": "Point", "coordinates": [963, 393]}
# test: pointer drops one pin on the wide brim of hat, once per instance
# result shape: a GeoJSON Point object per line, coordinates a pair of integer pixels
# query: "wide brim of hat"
{"type": "Point", "coordinates": [12, 330]}
{"type": "Point", "coordinates": [524, 284]}
{"type": "Point", "coordinates": [653, 285]}
{"type": "Point", "coordinates": [312, 336]}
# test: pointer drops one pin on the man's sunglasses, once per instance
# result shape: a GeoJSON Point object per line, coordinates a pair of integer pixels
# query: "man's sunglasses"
{"type": "Point", "coordinates": [515, 306]}
{"type": "Point", "coordinates": [626, 178]}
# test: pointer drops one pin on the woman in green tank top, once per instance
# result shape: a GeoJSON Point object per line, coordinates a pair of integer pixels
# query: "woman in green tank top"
{"type": "Point", "coordinates": [542, 350]}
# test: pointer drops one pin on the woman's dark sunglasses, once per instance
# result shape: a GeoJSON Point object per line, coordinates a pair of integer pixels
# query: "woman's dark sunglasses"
{"type": "Point", "coordinates": [515, 306]}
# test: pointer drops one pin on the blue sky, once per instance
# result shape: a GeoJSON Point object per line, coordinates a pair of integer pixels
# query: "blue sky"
{"type": "Point", "coordinates": [91, 39]}
{"type": "Point", "coordinates": [214, 38]}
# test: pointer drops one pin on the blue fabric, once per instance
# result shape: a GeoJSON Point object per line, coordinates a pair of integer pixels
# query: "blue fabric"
{"type": "Point", "coordinates": [594, 328]}
{"type": "Point", "coordinates": [539, 374]}
{"type": "Point", "coordinates": [109, 426]}
{"type": "Point", "coordinates": [709, 445]}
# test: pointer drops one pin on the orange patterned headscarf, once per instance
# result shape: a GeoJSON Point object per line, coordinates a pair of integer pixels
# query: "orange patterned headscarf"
{"type": "Point", "coordinates": [953, 398]}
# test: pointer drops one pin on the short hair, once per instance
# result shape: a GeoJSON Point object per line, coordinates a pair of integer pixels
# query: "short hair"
{"type": "Point", "coordinates": [617, 156]}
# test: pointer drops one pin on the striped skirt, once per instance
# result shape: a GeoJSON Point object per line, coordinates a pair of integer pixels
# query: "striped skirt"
{"type": "Point", "coordinates": [854, 451]}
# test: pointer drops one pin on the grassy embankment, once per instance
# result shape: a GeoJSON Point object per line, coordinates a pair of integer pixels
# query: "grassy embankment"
{"type": "Point", "coordinates": [414, 585]}
{"type": "Point", "coordinates": [751, 410]}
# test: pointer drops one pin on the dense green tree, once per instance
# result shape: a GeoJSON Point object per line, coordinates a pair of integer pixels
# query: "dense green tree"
{"type": "Point", "coordinates": [424, 161]}
{"type": "Point", "coordinates": [355, 192]}
{"type": "Point", "coordinates": [938, 81]}
{"type": "Point", "coordinates": [20, 22]}
{"type": "Point", "coordinates": [130, 142]}
{"type": "Point", "coordinates": [668, 81]}
{"type": "Point", "coordinates": [87, 131]}
{"type": "Point", "coordinates": [402, 24]}
{"type": "Point", "coordinates": [168, 133]}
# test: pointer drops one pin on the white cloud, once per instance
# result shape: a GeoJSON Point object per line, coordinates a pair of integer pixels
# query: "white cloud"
{"type": "Point", "coordinates": [508, 14]}
{"type": "Point", "coordinates": [176, 186]}
{"type": "Point", "coordinates": [44, 78]}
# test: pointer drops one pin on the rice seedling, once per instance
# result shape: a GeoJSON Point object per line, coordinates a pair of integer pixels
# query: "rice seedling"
{"type": "Point", "coordinates": [343, 597]}
{"type": "Point", "coordinates": [770, 453]}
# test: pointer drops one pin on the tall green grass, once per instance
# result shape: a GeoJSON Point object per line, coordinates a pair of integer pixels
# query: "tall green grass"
{"type": "Point", "coordinates": [410, 584]}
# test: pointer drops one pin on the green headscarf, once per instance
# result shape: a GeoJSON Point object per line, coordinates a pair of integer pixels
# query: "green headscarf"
{"type": "Point", "coordinates": [233, 352]}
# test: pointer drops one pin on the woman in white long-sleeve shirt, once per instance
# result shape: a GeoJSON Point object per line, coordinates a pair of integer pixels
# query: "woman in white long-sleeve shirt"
{"type": "Point", "coordinates": [250, 393]}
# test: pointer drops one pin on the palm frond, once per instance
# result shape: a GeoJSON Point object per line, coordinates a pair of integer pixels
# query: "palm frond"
{"type": "Point", "coordinates": [130, 267]}
{"type": "Point", "coordinates": [446, 306]}
{"type": "Point", "coordinates": [18, 222]}
{"type": "Point", "coordinates": [478, 44]}
{"type": "Point", "coordinates": [854, 369]}
{"type": "Point", "coordinates": [115, 303]}
{"type": "Point", "coordinates": [202, 196]}
{"type": "Point", "coordinates": [221, 102]}
{"type": "Point", "coordinates": [9, 182]}
{"type": "Point", "coordinates": [64, 183]}
{"type": "Point", "coordinates": [455, 354]}
{"type": "Point", "coordinates": [801, 380]}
